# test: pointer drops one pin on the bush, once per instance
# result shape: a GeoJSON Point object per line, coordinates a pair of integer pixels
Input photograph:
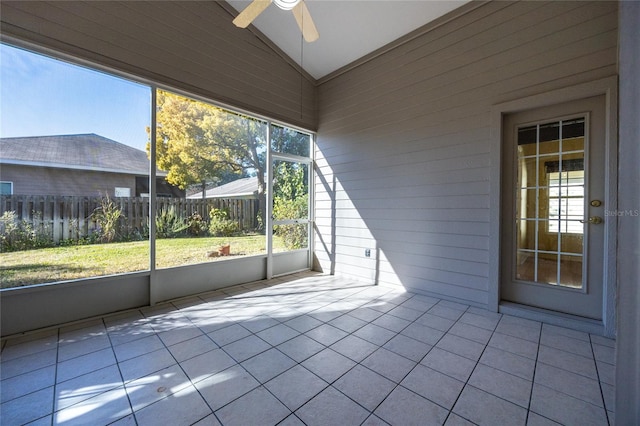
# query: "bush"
{"type": "Point", "coordinates": [18, 234]}
{"type": "Point", "coordinates": [294, 236]}
{"type": "Point", "coordinates": [107, 217]}
{"type": "Point", "coordinates": [196, 226]}
{"type": "Point", "coordinates": [169, 223]}
{"type": "Point", "coordinates": [220, 225]}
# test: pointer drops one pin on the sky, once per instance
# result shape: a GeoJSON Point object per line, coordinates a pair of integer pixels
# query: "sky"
{"type": "Point", "coordinates": [40, 96]}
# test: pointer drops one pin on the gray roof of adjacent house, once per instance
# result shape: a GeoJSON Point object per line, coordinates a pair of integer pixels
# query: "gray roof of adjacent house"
{"type": "Point", "coordinates": [80, 152]}
{"type": "Point", "coordinates": [241, 188]}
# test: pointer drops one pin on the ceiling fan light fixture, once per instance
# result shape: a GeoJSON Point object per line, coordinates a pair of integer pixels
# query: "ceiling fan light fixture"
{"type": "Point", "coordinates": [298, 7]}
{"type": "Point", "coordinates": [286, 4]}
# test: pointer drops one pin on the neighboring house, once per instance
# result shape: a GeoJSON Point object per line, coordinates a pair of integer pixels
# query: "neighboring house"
{"type": "Point", "coordinates": [243, 189]}
{"type": "Point", "coordinates": [76, 165]}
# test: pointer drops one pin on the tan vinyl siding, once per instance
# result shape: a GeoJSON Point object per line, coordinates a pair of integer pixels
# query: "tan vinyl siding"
{"type": "Point", "coordinates": [64, 182]}
{"type": "Point", "coordinates": [405, 139]}
{"type": "Point", "coordinates": [189, 45]}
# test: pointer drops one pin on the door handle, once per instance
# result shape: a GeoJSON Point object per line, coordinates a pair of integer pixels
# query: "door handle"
{"type": "Point", "coordinates": [595, 220]}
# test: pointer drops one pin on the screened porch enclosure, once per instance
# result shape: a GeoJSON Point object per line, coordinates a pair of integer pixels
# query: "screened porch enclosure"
{"type": "Point", "coordinates": [402, 184]}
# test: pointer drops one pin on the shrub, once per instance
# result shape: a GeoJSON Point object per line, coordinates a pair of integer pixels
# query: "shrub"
{"type": "Point", "coordinates": [294, 236]}
{"type": "Point", "coordinates": [18, 234]}
{"type": "Point", "coordinates": [196, 226]}
{"type": "Point", "coordinates": [220, 225]}
{"type": "Point", "coordinates": [107, 217]}
{"type": "Point", "coordinates": [170, 223]}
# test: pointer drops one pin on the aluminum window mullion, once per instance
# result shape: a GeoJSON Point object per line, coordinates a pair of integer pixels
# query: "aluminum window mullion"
{"type": "Point", "coordinates": [566, 224]}
{"type": "Point", "coordinates": [537, 215]}
{"type": "Point", "coordinates": [269, 207]}
{"type": "Point", "coordinates": [152, 198]}
{"type": "Point", "coordinates": [290, 157]}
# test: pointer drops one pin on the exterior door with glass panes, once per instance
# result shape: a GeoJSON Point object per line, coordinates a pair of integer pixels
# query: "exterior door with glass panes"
{"type": "Point", "coordinates": [553, 211]}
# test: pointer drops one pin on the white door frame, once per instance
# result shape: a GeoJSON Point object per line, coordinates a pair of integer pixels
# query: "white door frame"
{"type": "Point", "coordinates": [609, 88]}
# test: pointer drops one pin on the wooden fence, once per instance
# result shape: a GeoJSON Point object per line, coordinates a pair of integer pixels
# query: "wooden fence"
{"type": "Point", "coordinates": [72, 217]}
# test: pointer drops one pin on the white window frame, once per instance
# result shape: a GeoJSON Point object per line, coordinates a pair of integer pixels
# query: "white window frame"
{"type": "Point", "coordinates": [10, 185]}
{"type": "Point", "coordinates": [118, 190]}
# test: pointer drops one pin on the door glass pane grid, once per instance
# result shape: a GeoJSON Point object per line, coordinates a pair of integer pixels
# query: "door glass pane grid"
{"type": "Point", "coordinates": [550, 203]}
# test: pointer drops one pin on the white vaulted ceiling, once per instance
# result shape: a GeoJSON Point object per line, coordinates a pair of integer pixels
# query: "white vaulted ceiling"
{"type": "Point", "coordinates": [349, 29]}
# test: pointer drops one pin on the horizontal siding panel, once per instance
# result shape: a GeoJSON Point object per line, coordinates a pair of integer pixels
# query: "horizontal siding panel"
{"type": "Point", "coordinates": [415, 190]}
{"type": "Point", "coordinates": [554, 28]}
{"type": "Point", "coordinates": [421, 226]}
{"type": "Point", "coordinates": [442, 135]}
{"type": "Point", "coordinates": [404, 140]}
{"type": "Point", "coordinates": [194, 56]}
{"type": "Point", "coordinates": [525, 38]}
{"type": "Point", "coordinates": [420, 149]}
{"type": "Point", "coordinates": [417, 176]}
{"type": "Point", "coordinates": [192, 46]}
{"type": "Point", "coordinates": [464, 90]}
{"type": "Point", "coordinates": [413, 272]}
{"type": "Point", "coordinates": [359, 171]}
{"type": "Point", "coordinates": [416, 262]}
{"type": "Point", "coordinates": [451, 292]}
{"type": "Point", "coordinates": [444, 86]}
{"type": "Point", "coordinates": [427, 213]}
{"type": "Point", "coordinates": [468, 201]}
{"type": "Point", "coordinates": [435, 253]}
{"type": "Point", "coordinates": [442, 239]}
{"type": "Point", "coordinates": [325, 231]}
{"type": "Point", "coordinates": [355, 175]}
{"type": "Point", "coordinates": [440, 38]}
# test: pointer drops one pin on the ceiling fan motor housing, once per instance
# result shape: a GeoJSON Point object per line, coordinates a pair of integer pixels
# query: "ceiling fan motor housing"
{"type": "Point", "coordinates": [286, 4]}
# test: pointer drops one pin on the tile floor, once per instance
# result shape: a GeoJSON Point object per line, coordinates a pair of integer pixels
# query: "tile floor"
{"type": "Point", "coordinates": [307, 349]}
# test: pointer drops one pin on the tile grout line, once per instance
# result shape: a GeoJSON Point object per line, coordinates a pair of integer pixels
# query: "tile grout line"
{"type": "Point", "coordinates": [466, 383]}
{"type": "Point", "coordinates": [595, 362]}
{"type": "Point", "coordinates": [358, 304]}
{"type": "Point", "coordinates": [261, 384]}
{"type": "Point", "coordinates": [178, 363]}
{"type": "Point", "coordinates": [55, 378]}
{"type": "Point", "coordinates": [156, 333]}
{"type": "Point", "coordinates": [561, 392]}
{"type": "Point", "coordinates": [124, 388]}
{"type": "Point", "coordinates": [398, 384]}
{"type": "Point", "coordinates": [357, 363]}
{"type": "Point", "coordinates": [329, 384]}
{"type": "Point", "coordinates": [571, 372]}
{"type": "Point", "coordinates": [535, 368]}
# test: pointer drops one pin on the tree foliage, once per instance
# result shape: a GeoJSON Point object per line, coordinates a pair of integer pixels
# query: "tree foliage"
{"type": "Point", "coordinates": [291, 201]}
{"type": "Point", "coordinates": [199, 143]}
{"type": "Point", "coordinates": [289, 141]}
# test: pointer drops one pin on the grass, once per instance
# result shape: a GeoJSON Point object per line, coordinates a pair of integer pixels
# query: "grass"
{"type": "Point", "coordinates": [73, 262]}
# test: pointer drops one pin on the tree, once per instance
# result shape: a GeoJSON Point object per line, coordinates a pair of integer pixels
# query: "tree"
{"type": "Point", "coordinates": [289, 141]}
{"type": "Point", "coordinates": [198, 143]}
{"type": "Point", "coordinates": [242, 139]}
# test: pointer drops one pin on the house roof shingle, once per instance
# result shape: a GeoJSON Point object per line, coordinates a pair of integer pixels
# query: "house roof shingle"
{"type": "Point", "coordinates": [244, 187]}
{"type": "Point", "coordinates": [83, 152]}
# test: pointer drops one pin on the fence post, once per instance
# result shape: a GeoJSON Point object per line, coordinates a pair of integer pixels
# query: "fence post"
{"type": "Point", "coordinates": [56, 220]}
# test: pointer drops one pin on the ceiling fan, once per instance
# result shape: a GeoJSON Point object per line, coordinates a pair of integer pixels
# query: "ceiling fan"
{"type": "Point", "coordinates": [298, 7]}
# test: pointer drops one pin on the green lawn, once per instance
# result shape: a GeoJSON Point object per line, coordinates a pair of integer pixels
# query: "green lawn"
{"type": "Point", "coordinates": [67, 263]}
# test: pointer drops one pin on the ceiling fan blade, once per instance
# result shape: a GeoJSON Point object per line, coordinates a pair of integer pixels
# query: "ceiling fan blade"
{"type": "Point", "coordinates": [250, 13]}
{"type": "Point", "coordinates": [303, 18]}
